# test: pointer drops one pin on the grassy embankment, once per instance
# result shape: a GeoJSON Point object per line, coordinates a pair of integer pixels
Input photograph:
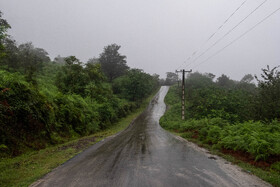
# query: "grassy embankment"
{"type": "Point", "coordinates": [27, 168]}
{"type": "Point", "coordinates": [254, 146]}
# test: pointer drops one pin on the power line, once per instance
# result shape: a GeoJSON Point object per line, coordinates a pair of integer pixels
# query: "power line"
{"type": "Point", "coordinates": [238, 38]}
{"type": "Point", "coordinates": [224, 23]}
{"type": "Point", "coordinates": [232, 29]}
{"type": "Point", "coordinates": [212, 35]}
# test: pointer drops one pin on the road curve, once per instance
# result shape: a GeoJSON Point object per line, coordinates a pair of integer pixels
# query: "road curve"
{"type": "Point", "coordinates": [146, 155]}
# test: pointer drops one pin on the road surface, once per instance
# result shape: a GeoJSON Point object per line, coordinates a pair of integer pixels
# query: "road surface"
{"type": "Point", "coordinates": [146, 155]}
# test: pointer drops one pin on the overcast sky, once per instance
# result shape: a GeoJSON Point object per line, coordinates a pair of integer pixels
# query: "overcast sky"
{"type": "Point", "coordinates": [156, 35]}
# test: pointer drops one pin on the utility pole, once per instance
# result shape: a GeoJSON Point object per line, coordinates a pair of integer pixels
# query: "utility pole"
{"type": "Point", "coordinates": [183, 90]}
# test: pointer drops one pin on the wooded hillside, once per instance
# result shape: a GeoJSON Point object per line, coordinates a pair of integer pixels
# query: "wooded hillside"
{"type": "Point", "coordinates": [45, 102]}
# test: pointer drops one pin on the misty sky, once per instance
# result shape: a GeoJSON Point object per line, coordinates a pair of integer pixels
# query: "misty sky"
{"type": "Point", "coordinates": [156, 35]}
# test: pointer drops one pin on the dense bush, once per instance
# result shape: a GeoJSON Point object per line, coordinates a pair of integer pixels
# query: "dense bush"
{"type": "Point", "coordinates": [268, 99]}
{"type": "Point", "coordinates": [135, 85]}
{"type": "Point", "coordinates": [32, 118]}
{"type": "Point", "coordinates": [233, 105]}
{"type": "Point", "coordinates": [73, 114]}
{"type": "Point", "coordinates": [25, 114]}
{"type": "Point", "coordinates": [224, 99]}
{"type": "Point", "coordinates": [76, 79]}
{"type": "Point", "coordinates": [258, 139]}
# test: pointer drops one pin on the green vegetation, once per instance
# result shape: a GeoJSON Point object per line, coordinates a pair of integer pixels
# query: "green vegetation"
{"type": "Point", "coordinates": [48, 113]}
{"type": "Point", "coordinates": [171, 78]}
{"type": "Point", "coordinates": [45, 103]}
{"type": "Point", "coordinates": [29, 167]}
{"type": "Point", "coordinates": [111, 61]}
{"type": "Point", "coordinates": [135, 85]}
{"type": "Point", "coordinates": [231, 118]}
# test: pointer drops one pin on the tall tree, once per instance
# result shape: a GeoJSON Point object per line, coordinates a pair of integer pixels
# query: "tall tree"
{"type": "Point", "coordinates": [72, 78]}
{"type": "Point", "coordinates": [11, 57]}
{"type": "Point", "coordinates": [59, 60]}
{"type": "Point", "coordinates": [135, 85]}
{"type": "Point", "coordinates": [171, 78]}
{"type": "Point", "coordinates": [31, 60]}
{"type": "Point", "coordinates": [113, 64]}
{"type": "Point", "coordinates": [198, 80]}
{"type": "Point", "coordinates": [246, 84]}
{"type": "Point", "coordinates": [4, 26]}
{"type": "Point", "coordinates": [31, 57]}
{"type": "Point", "coordinates": [269, 94]}
{"type": "Point", "coordinates": [225, 81]}
{"type": "Point", "coordinates": [95, 87]}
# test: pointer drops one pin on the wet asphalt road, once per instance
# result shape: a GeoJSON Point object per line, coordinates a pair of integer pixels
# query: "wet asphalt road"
{"type": "Point", "coordinates": [146, 155]}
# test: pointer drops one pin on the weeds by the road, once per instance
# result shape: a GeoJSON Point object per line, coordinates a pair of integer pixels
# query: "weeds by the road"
{"type": "Point", "coordinates": [27, 168]}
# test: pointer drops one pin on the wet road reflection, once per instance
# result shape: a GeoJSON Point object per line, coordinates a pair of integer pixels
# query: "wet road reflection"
{"type": "Point", "coordinates": [146, 155]}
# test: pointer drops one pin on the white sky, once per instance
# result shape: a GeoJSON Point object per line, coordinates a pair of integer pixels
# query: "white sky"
{"type": "Point", "coordinates": [156, 35]}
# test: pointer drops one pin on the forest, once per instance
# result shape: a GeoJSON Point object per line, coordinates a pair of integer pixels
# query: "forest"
{"type": "Point", "coordinates": [46, 102]}
{"type": "Point", "coordinates": [240, 118]}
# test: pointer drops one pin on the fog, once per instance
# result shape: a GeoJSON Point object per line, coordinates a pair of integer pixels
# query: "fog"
{"type": "Point", "coordinates": [157, 36]}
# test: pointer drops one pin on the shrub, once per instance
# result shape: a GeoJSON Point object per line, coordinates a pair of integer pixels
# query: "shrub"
{"type": "Point", "coordinates": [25, 114]}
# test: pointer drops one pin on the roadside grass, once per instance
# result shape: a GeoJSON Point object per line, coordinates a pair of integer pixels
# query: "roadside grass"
{"type": "Point", "coordinates": [25, 169]}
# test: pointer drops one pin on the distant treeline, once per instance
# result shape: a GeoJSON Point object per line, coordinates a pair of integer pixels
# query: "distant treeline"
{"type": "Point", "coordinates": [46, 102]}
{"type": "Point", "coordinates": [235, 101]}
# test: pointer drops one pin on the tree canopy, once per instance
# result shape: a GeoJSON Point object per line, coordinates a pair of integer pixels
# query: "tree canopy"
{"type": "Point", "coordinates": [4, 26]}
{"type": "Point", "coordinates": [269, 94]}
{"type": "Point", "coordinates": [171, 78]}
{"type": "Point", "coordinates": [135, 85]}
{"type": "Point", "coordinates": [113, 64]}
